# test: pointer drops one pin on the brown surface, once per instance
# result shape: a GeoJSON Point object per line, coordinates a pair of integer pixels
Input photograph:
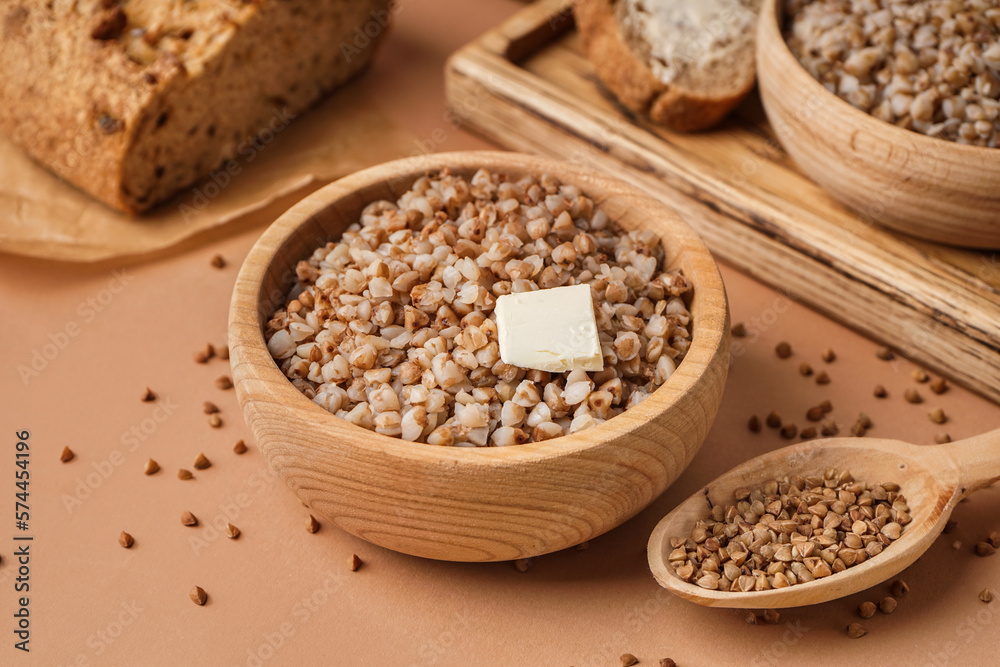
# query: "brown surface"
{"type": "Point", "coordinates": [277, 583]}
{"type": "Point", "coordinates": [743, 194]}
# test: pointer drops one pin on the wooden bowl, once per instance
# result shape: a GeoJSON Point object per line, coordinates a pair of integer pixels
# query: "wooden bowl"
{"type": "Point", "coordinates": [930, 188]}
{"type": "Point", "coordinates": [473, 504]}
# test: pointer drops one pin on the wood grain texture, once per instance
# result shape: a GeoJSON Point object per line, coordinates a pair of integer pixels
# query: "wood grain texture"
{"type": "Point", "coordinates": [934, 479]}
{"type": "Point", "coordinates": [474, 504]}
{"type": "Point", "coordinates": [938, 305]}
{"type": "Point", "coordinates": [935, 189]}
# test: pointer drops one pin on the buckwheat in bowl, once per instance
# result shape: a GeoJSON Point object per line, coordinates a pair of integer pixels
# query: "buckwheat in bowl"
{"type": "Point", "coordinates": [371, 366]}
{"type": "Point", "coordinates": [892, 107]}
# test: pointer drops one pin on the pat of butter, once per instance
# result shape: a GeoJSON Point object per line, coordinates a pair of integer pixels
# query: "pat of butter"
{"type": "Point", "coordinates": [549, 330]}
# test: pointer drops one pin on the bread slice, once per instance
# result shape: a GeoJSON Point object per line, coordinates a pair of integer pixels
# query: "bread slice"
{"type": "Point", "coordinates": [684, 63]}
{"type": "Point", "coordinates": [132, 100]}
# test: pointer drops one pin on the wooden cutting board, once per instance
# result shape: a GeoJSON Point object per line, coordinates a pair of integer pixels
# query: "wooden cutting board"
{"type": "Point", "coordinates": [528, 86]}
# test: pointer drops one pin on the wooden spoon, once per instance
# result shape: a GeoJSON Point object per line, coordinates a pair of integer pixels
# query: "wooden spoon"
{"type": "Point", "coordinates": [932, 478]}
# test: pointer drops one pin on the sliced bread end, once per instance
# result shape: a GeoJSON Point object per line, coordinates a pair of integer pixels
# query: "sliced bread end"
{"type": "Point", "coordinates": [695, 99]}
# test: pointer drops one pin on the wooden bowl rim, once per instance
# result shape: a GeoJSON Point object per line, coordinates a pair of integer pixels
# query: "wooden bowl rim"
{"type": "Point", "coordinates": [770, 35]}
{"type": "Point", "coordinates": [252, 361]}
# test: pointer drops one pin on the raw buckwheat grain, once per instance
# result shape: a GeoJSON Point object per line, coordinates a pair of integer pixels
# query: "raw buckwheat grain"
{"type": "Point", "coordinates": [392, 328]}
{"type": "Point", "coordinates": [856, 631]}
{"type": "Point", "coordinates": [931, 67]}
{"type": "Point", "coordinates": [790, 531]}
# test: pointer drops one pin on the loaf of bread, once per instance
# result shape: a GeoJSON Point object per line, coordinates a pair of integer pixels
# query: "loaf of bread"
{"type": "Point", "coordinates": [133, 100]}
{"type": "Point", "coordinates": [684, 63]}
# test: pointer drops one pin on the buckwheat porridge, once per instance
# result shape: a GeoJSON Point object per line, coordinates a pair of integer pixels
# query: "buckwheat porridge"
{"type": "Point", "coordinates": [392, 327]}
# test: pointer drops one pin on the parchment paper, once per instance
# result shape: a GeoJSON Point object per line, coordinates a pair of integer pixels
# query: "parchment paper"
{"type": "Point", "coordinates": [44, 216]}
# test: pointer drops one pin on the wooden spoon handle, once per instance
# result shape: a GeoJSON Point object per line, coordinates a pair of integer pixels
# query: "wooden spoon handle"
{"type": "Point", "coordinates": [977, 460]}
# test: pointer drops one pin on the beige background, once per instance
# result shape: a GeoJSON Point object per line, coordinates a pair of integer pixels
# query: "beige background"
{"type": "Point", "coordinates": [280, 596]}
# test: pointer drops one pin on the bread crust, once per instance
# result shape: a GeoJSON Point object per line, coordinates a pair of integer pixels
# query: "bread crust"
{"type": "Point", "coordinates": [633, 82]}
{"type": "Point", "coordinates": [134, 100]}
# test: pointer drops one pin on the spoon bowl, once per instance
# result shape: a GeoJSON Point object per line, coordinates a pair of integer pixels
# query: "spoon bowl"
{"type": "Point", "coordinates": [933, 479]}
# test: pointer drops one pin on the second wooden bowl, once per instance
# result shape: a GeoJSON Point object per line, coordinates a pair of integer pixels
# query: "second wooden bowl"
{"type": "Point", "coordinates": [478, 504]}
{"type": "Point", "coordinates": [931, 188]}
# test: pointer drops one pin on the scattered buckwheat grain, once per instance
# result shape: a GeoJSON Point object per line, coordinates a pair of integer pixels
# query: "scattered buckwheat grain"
{"type": "Point", "coordinates": [815, 413]}
{"type": "Point", "coordinates": [822, 378]}
{"type": "Point", "coordinates": [354, 563]}
{"type": "Point", "coordinates": [522, 564]}
{"type": "Point", "coordinates": [184, 474]}
{"type": "Point", "coordinates": [937, 416]}
{"type": "Point", "coordinates": [218, 261]}
{"type": "Point", "coordinates": [754, 424]}
{"type": "Point", "coordinates": [148, 396]}
{"type": "Point", "coordinates": [867, 609]}
{"type": "Point", "coordinates": [151, 467]}
{"type": "Point", "coordinates": [913, 396]}
{"type": "Point", "coordinates": [899, 588]}
{"type": "Point", "coordinates": [783, 350]}
{"type": "Point", "coordinates": [920, 375]}
{"type": "Point", "coordinates": [628, 660]}
{"type": "Point", "coordinates": [201, 462]}
{"type": "Point", "coordinates": [880, 391]}
{"type": "Point", "coordinates": [214, 420]}
{"type": "Point", "coordinates": [240, 447]}
{"type": "Point", "coordinates": [829, 356]}
{"type": "Point", "coordinates": [203, 355]}
{"type": "Point", "coordinates": [885, 354]}
{"type": "Point", "coordinates": [232, 532]}
{"type": "Point", "coordinates": [773, 420]}
{"type": "Point", "coordinates": [312, 525]}
{"type": "Point", "coordinates": [805, 369]}
{"type": "Point", "coordinates": [985, 549]}
{"type": "Point", "coordinates": [986, 595]}
{"type": "Point", "coordinates": [67, 455]}
{"type": "Point", "coordinates": [126, 540]}
{"type": "Point", "coordinates": [209, 408]}
{"type": "Point", "coordinates": [856, 631]}
{"type": "Point", "coordinates": [939, 386]}
{"type": "Point", "coordinates": [887, 605]}
{"type": "Point", "coordinates": [942, 438]}
{"type": "Point", "coordinates": [199, 596]}
{"type": "Point", "coordinates": [224, 382]}
{"type": "Point", "coordinates": [189, 519]}
{"type": "Point", "coordinates": [738, 330]}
